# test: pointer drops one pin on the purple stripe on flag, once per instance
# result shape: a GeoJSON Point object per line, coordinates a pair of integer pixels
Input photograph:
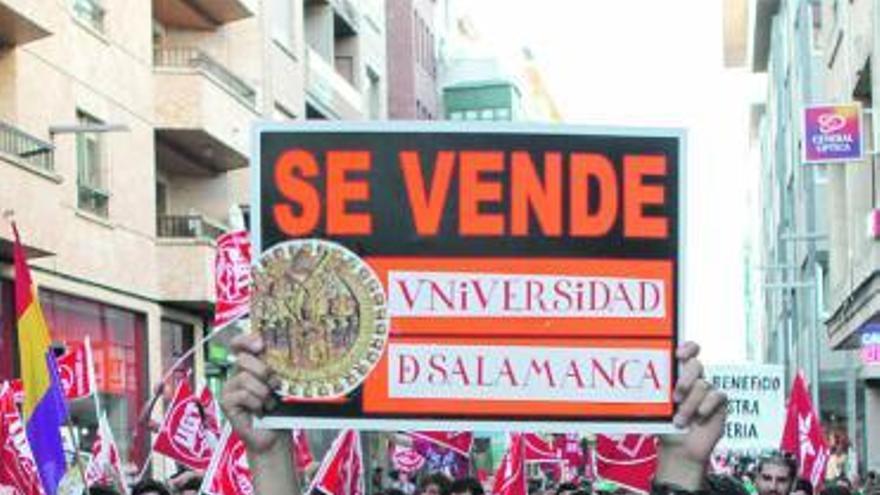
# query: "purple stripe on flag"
{"type": "Point", "coordinates": [44, 432]}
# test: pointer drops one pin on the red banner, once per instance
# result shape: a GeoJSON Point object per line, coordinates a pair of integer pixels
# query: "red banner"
{"type": "Point", "coordinates": [301, 449]}
{"type": "Point", "coordinates": [189, 431]}
{"type": "Point", "coordinates": [803, 436]}
{"type": "Point", "coordinates": [457, 441]}
{"type": "Point", "coordinates": [76, 370]}
{"type": "Point", "coordinates": [18, 471]}
{"type": "Point", "coordinates": [342, 472]}
{"type": "Point", "coordinates": [232, 271]}
{"type": "Point", "coordinates": [539, 450]}
{"type": "Point", "coordinates": [510, 479]}
{"type": "Point", "coordinates": [229, 473]}
{"type": "Point", "coordinates": [105, 466]}
{"type": "Point", "coordinates": [628, 460]}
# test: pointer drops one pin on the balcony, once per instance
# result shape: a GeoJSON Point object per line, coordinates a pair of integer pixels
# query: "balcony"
{"type": "Point", "coordinates": [17, 23]}
{"type": "Point", "coordinates": [186, 252]}
{"type": "Point", "coordinates": [330, 91]}
{"type": "Point", "coordinates": [201, 14]}
{"type": "Point", "coordinates": [204, 111]}
{"type": "Point", "coordinates": [22, 148]}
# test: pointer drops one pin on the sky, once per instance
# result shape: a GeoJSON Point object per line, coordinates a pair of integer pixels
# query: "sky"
{"type": "Point", "coordinates": [657, 63]}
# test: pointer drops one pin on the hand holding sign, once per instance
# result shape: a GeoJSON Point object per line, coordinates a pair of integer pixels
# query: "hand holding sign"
{"type": "Point", "coordinates": [683, 458]}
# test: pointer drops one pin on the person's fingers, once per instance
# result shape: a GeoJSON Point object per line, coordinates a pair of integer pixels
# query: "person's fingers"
{"type": "Point", "coordinates": [255, 386]}
{"type": "Point", "coordinates": [687, 350]}
{"type": "Point", "coordinates": [690, 373]}
{"type": "Point", "coordinates": [250, 343]}
{"type": "Point", "coordinates": [711, 404]}
{"type": "Point", "coordinates": [686, 410]}
{"type": "Point", "coordinates": [243, 399]}
{"type": "Point", "coordinates": [254, 366]}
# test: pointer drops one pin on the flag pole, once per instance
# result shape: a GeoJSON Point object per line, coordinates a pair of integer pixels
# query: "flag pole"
{"type": "Point", "coordinates": [76, 459]}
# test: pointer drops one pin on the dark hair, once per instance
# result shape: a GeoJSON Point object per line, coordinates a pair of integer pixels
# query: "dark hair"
{"type": "Point", "coordinates": [803, 485]}
{"type": "Point", "coordinates": [725, 485]}
{"type": "Point", "coordinates": [471, 485]}
{"type": "Point", "coordinates": [100, 490]}
{"type": "Point", "coordinates": [394, 474]}
{"type": "Point", "coordinates": [150, 485]}
{"type": "Point", "coordinates": [191, 484]}
{"type": "Point", "coordinates": [778, 458]}
{"type": "Point", "coordinates": [394, 491]}
{"type": "Point", "coordinates": [566, 487]}
{"type": "Point", "coordinates": [435, 478]}
{"type": "Point", "coordinates": [835, 490]}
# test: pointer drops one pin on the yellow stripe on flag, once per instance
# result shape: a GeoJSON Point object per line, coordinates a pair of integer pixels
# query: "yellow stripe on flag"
{"type": "Point", "coordinates": [34, 342]}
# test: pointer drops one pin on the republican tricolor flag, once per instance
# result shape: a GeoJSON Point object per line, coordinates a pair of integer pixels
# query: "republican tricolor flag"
{"type": "Point", "coordinates": [44, 408]}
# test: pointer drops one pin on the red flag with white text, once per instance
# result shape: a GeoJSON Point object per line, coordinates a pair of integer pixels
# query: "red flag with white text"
{"type": "Point", "coordinates": [510, 479]}
{"type": "Point", "coordinates": [188, 433]}
{"type": "Point", "coordinates": [76, 369]}
{"type": "Point", "coordinates": [18, 471]}
{"type": "Point", "coordinates": [105, 466]}
{"type": "Point", "coordinates": [229, 472]}
{"type": "Point", "coordinates": [536, 449]}
{"type": "Point", "coordinates": [803, 436]}
{"type": "Point", "coordinates": [628, 460]}
{"type": "Point", "coordinates": [406, 460]}
{"type": "Point", "coordinates": [232, 272]}
{"type": "Point", "coordinates": [457, 441]}
{"type": "Point", "coordinates": [302, 450]}
{"type": "Point", "coordinates": [342, 471]}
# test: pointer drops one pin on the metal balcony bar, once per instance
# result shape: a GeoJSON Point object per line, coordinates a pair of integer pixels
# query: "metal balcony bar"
{"type": "Point", "coordinates": [188, 227]}
{"type": "Point", "coordinates": [26, 148]}
{"type": "Point", "coordinates": [197, 59]}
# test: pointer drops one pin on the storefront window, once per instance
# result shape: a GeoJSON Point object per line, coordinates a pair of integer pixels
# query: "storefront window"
{"type": "Point", "coordinates": [177, 339]}
{"type": "Point", "coordinates": [118, 338]}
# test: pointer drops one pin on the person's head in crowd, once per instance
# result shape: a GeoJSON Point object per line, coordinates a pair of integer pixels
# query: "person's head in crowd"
{"type": "Point", "coordinates": [566, 489]}
{"type": "Point", "coordinates": [186, 482]}
{"type": "Point", "coordinates": [842, 480]}
{"type": "Point", "coordinates": [100, 490]}
{"type": "Point", "coordinates": [393, 491]}
{"type": "Point", "coordinates": [150, 487]}
{"type": "Point", "coordinates": [802, 487]}
{"type": "Point", "coordinates": [434, 484]}
{"type": "Point", "coordinates": [466, 486]}
{"type": "Point", "coordinates": [394, 475]}
{"type": "Point", "coordinates": [835, 490]}
{"type": "Point", "coordinates": [581, 491]}
{"type": "Point", "coordinates": [725, 485]}
{"type": "Point", "coordinates": [775, 474]}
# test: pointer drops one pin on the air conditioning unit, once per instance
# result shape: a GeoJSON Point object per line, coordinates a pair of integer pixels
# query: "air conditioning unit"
{"type": "Point", "coordinates": [874, 224]}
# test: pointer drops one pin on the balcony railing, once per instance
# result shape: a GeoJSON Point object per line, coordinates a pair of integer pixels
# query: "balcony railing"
{"type": "Point", "coordinates": [196, 59]}
{"type": "Point", "coordinates": [188, 227]}
{"type": "Point", "coordinates": [26, 148]}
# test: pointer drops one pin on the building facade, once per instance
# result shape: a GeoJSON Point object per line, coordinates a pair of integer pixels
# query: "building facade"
{"type": "Point", "coordinates": [815, 257]}
{"type": "Point", "coordinates": [412, 60]}
{"type": "Point", "coordinates": [124, 141]}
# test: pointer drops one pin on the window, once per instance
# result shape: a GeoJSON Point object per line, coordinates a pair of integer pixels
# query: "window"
{"type": "Point", "coordinates": [502, 114]}
{"type": "Point", "coordinates": [91, 12]}
{"type": "Point", "coordinates": [487, 114]}
{"type": "Point", "coordinates": [282, 22]}
{"type": "Point", "coordinates": [177, 338]}
{"type": "Point", "coordinates": [456, 116]}
{"type": "Point", "coordinates": [118, 340]}
{"type": "Point", "coordinates": [92, 195]}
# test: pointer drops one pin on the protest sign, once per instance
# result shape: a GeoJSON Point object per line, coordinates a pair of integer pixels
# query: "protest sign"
{"type": "Point", "coordinates": [414, 276]}
{"type": "Point", "coordinates": [756, 405]}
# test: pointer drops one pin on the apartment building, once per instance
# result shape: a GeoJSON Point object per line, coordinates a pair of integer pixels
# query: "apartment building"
{"type": "Point", "coordinates": [124, 141]}
{"type": "Point", "coordinates": [412, 60]}
{"type": "Point", "coordinates": [817, 262]}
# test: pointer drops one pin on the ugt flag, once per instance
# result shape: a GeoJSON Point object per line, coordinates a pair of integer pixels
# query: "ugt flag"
{"type": "Point", "coordinates": [189, 431]}
{"type": "Point", "coordinates": [18, 471]}
{"type": "Point", "coordinates": [232, 272]}
{"type": "Point", "coordinates": [44, 408]}
{"type": "Point", "coordinates": [510, 479]}
{"type": "Point", "coordinates": [342, 471]}
{"type": "Point", "coordinates": [628, 460]}
{"type": "Point", "coordinates": [105, 466]}
{"type": "Point", "coordinates": [803, 436]}
{"type": "Point", "coordinates": [229, 472]}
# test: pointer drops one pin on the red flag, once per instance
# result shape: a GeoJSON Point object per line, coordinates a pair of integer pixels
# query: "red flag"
{"type": "Point", "coordinates": [187, 434]}
{"type": "Point", "coordinates": [229, 473]}
{"type": "Point", "coordinates": [105, 466]}
{"type": "Point", "coordinates": [301, 449]}
{"type": "Point", "coordinates": [76, 370]}
{"type": "Point", "coordinates": [232, 271]}
{"type": "Point", "coordinates": [457, 441]}
{"type": "Point", "coordinates": [406, 460]}
{"type": "Point", "coordinates": [510, 479]}
{"type": "Point", "coordinates": [803, 436]}
{"type": "Point", "coordinates": [211, 415]}
{"type": "Point", "coordinates": [538, 450]}
{"type": "Point", "coordinates": [569, 450]}
{"type": "Point", "coordinates": [18, 471]}
{"type": "Point", "coordinates": [342, 472]}
{"type": "Point", "coordinates": [628, 460]}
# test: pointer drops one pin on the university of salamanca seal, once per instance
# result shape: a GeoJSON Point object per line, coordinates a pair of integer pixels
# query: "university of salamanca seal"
{"type": "Point", "coordinates": [322, 314]}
